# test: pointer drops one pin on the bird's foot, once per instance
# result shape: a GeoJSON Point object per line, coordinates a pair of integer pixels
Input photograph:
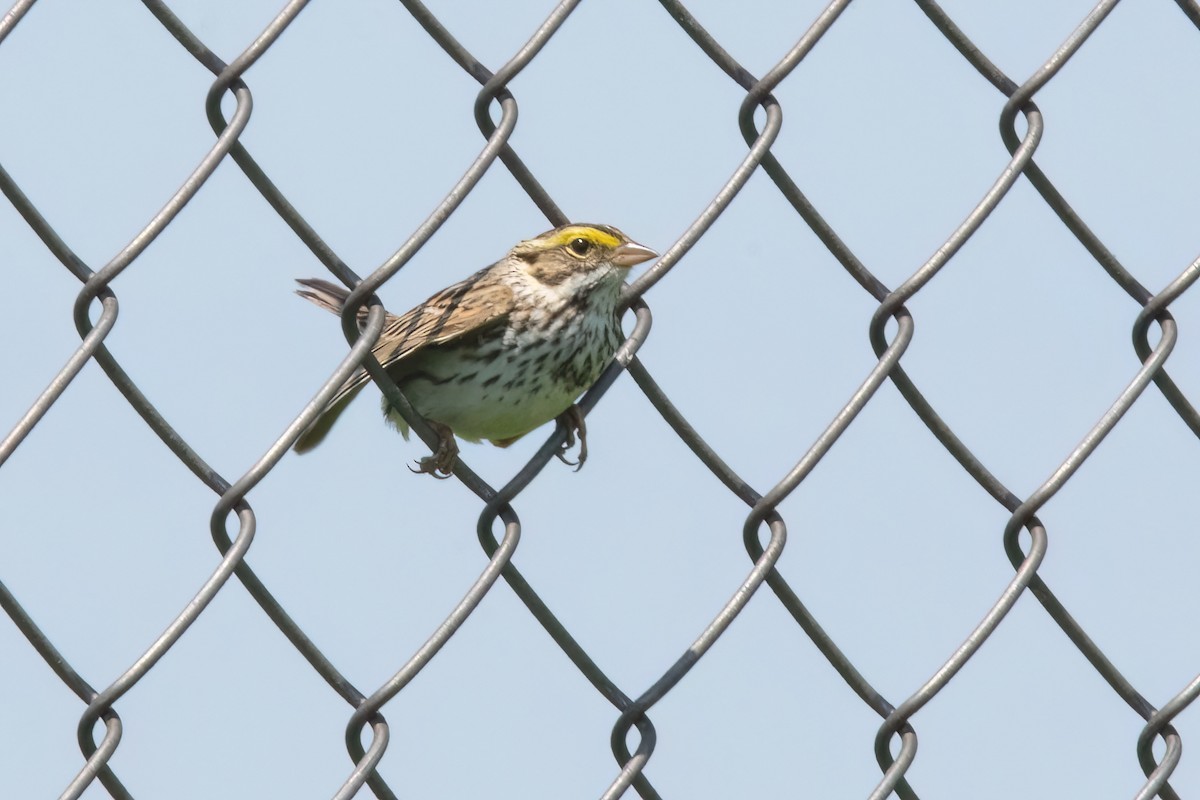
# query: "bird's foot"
{"type": "Point", "coordinates": [572, 420]}
{"type": "Point", "coordinates": [441, 464]}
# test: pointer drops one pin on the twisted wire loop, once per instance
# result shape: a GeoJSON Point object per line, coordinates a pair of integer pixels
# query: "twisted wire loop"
{"type": "Point", "coordinates": [891, 306]}
{"type": "Point", "coordinates": [1153, 361]}
{"type": "Point", "coordinates": [96, 286]}
{"type": "Point", "coordinates": [764, 530]}
{"type": "Point", "coordinates": [762, 509]}
{"type": "Point", "coordinates": [362, 291]}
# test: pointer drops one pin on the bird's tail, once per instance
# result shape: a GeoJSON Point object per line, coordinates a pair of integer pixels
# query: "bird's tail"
{"type": "Point", "coordinates": [316, 432]}
{"type": "Point", "coordinates": [330, 297]}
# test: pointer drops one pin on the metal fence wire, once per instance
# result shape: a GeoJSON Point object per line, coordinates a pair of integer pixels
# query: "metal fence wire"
{"type": "Point", "coordinates": [891, 328]}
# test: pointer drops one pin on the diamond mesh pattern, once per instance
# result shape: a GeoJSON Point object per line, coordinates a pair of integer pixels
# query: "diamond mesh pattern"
{"type": "Point", "coordinates": [891, 329]}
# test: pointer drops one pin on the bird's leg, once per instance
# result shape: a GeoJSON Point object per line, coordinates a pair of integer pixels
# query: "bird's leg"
{"type": "Point", "coordinates": [441, 464]}
{"type": "Point", "coordinates": [572, 420]}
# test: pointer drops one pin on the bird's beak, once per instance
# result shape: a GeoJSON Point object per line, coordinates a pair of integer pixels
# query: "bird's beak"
{"type": "Point", "coordinates": [632, 253]}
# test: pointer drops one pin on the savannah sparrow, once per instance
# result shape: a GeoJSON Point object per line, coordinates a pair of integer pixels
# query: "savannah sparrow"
{"type": "Point", "coordinates": [504, 351]}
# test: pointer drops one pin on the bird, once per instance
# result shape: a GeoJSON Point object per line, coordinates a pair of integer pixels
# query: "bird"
{"type": "Point", "coordinates": [502, 352]}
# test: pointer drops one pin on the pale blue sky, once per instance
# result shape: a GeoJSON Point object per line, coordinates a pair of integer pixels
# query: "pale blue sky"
{"type": "Point", "coordinates": [759, 337]}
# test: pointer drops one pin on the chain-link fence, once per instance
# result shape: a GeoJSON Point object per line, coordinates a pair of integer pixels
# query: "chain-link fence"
{"type": "Point", "coordinates": [631, 701]}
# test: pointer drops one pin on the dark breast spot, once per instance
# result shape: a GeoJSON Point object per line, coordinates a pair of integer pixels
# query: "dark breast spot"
{"type": "Point", "coordinates": [428, 377]}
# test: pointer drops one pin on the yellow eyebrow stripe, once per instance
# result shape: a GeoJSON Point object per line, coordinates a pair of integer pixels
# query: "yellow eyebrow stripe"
{"type": "Point", "coordinates": [593, 235]}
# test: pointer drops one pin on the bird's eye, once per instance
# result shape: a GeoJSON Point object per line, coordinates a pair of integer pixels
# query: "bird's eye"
{"type": "Point", "coordinates": [580, 246]}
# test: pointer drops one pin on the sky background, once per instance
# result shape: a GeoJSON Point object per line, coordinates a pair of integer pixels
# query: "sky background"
{"type": "Point", "coordinates": [759, 336]}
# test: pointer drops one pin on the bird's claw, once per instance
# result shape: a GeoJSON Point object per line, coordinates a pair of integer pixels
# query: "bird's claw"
{"type": "Point", "coordinates": [572, 420]}
{"type": "Point", "coordinates": [441, 464]}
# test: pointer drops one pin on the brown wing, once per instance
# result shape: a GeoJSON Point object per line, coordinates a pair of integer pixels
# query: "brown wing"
{"type": "Point", "coordinates": [469, 306]}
